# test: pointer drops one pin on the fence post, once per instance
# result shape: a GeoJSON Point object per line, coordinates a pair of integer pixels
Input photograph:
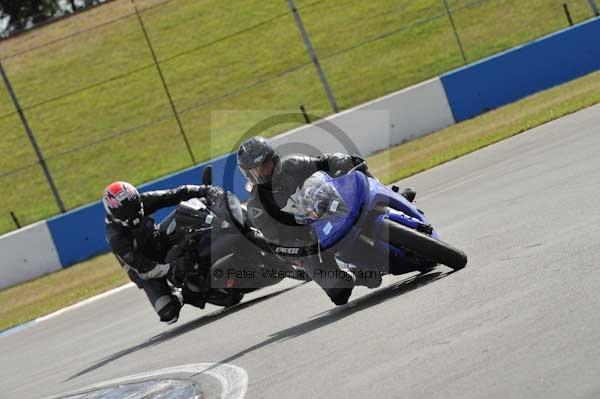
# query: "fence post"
{"type": "Point", "coordinates": [306, 118]}
{"type": "Point", "coordinates": [164, 83]}
{"type": "Point", "coordinates": [313, 56]}
{"type": "Point", "coordinates": [594, 6]}
{"type": "Point", "coordinates": [458, 41]}
{"type": "Point", "coordinates": [36, 148]}
{"type": "Point", "coordinates": [15, 219]}
{"type": "Point", "coordinates": [568, 14]}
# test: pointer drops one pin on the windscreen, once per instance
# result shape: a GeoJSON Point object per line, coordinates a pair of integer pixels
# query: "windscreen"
{"type": "Point", "coordinates": [317, 199]}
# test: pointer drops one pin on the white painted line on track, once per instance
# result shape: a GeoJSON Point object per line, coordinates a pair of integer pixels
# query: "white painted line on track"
{"type": "Point", "coordinates": [233, 379]}
{"type": "Point", "coordinates": [21, 327]}
{"type": "Point", "coordinates": [17, 328]}
{"type": "Point", "coordinates": [85, 302]}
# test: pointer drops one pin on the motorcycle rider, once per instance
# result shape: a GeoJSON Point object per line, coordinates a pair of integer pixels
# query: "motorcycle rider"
{"type": "Point", "coordinates": [274, 181]}
{"type": "Point", "coordinates": [140, 248]}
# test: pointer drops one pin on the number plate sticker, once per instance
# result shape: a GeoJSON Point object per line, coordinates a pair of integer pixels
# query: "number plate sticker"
{"type": "Point", "coordinates": [327, 229]}
{"type": "Point", "coordinates": [334, 205]}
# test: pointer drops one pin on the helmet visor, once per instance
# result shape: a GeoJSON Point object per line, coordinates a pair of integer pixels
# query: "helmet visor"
{"type": "Point", "coordinates": [260, 174]}
{"type": "Point", "coordinates": [130, 214]}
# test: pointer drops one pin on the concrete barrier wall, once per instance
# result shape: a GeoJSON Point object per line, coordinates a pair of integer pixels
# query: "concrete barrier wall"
{"type": "Point", "coordinates": [378, 124]}
{"type": "Point", "coordinates": [525, 70]}
{"type": "Point", "coordinates": [27, 253]}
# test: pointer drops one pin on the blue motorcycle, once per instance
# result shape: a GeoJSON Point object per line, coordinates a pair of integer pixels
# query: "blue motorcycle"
{"type": "Point", "coordinates": [366, 224]}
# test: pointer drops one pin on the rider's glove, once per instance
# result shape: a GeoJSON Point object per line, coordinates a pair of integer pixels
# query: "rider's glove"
{"type": "Point", "coordinates": [357, 160]}
{"type": "Point", "coordinates": [213, 195]}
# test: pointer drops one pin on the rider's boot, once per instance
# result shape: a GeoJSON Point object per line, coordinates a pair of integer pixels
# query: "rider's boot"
{"type": "Point", "coordinates": [336, 283]}
{"type": "Point", "coordinates": [193, 295]}
{"type": "Point", "coordinates": [168, 308]}
{"type": "Point", "coordinates": [165, 304]}
{"type": "Point", "coordinates": [340, 294]}
{"type": "Point", "coordinates": [368, 278]}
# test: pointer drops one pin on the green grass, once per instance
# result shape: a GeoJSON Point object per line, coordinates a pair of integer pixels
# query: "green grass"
{"type": "Point", "coordinates": [55, 291]}
{"type": "Point", "coordinates": [50, 293]}
{"type": "Point", "coordinates": [237, 55]}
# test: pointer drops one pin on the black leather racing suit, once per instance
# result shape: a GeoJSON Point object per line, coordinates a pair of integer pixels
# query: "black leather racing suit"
{"type": "Point", "coordinates": [141, 251]}
{"type": "Point", "coordinates": [266, 201]}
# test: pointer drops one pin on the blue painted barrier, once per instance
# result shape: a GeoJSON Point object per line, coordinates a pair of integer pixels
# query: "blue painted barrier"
{"type": "Point", "coordinates": [524, 70]}
{"type": "Point", "coordinates": [79, 234]}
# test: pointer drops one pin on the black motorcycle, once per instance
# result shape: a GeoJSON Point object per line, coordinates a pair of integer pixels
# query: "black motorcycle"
{"type": "Point", "coordinates": [222, 264]}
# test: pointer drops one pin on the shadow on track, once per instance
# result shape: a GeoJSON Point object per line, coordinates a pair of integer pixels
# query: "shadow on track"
{"type": "Point", "coordinates": [180, 330]}
{"type": "Point", "coordinates": [338, 313]}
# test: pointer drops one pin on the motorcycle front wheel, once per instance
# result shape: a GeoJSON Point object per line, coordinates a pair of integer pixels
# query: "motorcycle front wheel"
{"type": "Point", "coordinates": [421, 244]}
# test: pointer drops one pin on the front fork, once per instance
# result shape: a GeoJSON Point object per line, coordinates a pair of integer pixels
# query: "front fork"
{"type": "Point", "coordinates": [403, 219]}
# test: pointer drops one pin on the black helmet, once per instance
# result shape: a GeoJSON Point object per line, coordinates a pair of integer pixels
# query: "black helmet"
{"type": "Point", "coordinates": [253, 159]}
{"type": "Point", "coordinates": [122, 202]}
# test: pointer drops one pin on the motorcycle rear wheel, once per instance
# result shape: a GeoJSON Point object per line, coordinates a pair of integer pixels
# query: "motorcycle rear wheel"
{"type": "Point", "coordinates": [225, 298]}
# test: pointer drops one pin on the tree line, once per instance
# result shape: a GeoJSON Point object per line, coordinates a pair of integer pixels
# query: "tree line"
{"type": "Point", "coordinates": [18, 15]}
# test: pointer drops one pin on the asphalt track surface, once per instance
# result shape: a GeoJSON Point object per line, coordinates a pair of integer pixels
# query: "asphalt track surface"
{"type": "Point", "coordinates": [521, 321]}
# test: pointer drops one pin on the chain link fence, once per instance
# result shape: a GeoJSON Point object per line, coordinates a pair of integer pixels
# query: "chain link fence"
{"type": "Point", "coordinates": [93, 95]}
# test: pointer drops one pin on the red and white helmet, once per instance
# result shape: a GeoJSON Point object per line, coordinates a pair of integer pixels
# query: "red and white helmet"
{"type": "Point", "coordinates": [122, 202]}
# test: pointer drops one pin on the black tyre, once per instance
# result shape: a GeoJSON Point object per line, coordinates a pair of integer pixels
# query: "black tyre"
{"type": "Point", "coordinates": [422, 245]}
{"type": "Point", "coordinates": [234, 299]}
{"type": "Point", "coordinates": [226, 298]}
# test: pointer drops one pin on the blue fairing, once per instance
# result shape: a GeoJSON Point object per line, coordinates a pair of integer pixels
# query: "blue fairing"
{"type": "Point", "coordinates": [380, 193]}
{"type": "Point", "coordinates": [362, 194]}
{"type": "Point", "coordinates": [351, 188]}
